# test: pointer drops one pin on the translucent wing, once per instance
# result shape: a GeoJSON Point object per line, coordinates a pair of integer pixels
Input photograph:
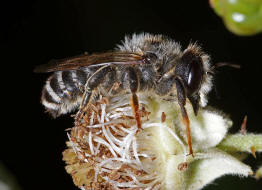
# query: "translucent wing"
{"type": "Point", "coordinates": [93, 60]}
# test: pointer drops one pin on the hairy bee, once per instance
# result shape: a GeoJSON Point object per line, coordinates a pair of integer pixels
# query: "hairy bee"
{"type": "Point", "coordinates": [142, 62]}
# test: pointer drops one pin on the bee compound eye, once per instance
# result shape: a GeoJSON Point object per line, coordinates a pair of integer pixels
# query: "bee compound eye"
{"type": "Point", "coordinates": [195, 76]}
{"type": "Point", "coordinates": [151, 56]}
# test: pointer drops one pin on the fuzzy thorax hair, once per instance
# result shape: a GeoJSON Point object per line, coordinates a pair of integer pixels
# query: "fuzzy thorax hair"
{"type": "Point", "coordinates": [167, 49]}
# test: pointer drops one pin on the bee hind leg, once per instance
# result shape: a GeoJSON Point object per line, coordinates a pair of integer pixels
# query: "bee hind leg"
{"type": "Point", "coordinates": [86, 100]}
{"type": "Point", "coordinates": [92, 83]}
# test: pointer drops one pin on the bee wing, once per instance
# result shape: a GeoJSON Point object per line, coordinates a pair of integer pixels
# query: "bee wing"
{"type": "Point", "coordinates": [93, 60]}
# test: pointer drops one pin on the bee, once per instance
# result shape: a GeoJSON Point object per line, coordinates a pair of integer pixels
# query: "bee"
{"type": "Point", "coordinates": [141, 63]}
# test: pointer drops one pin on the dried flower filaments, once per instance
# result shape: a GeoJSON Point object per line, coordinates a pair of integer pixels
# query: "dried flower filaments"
{"type": "Point", "coordinates": [109, 144]}
{"type": "Point", "coordinates": [106, 150]}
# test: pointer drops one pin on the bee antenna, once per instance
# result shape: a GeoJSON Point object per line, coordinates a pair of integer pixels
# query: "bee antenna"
{"type": "Point", "coordinates": [222, 64]}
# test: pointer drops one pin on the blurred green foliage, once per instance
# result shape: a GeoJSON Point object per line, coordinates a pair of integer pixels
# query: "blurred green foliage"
{"type": "Point", "coordinates": [241, 17]}
{"type": "Point", "coordinates": [7, 180]}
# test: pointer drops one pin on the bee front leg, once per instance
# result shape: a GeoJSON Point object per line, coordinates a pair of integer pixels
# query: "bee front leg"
{"type": "Point", "coordinates": [181, 95]}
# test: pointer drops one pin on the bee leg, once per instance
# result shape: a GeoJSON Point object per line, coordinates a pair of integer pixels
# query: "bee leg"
{"type": "Point", "coordinates": [195, 102]}
{"type": "Point", "coordinates": [135, 108]}
{"type": "Point", "coordinates": [181, 95]}
{"type": "Point", "coordinates": [92, 83]}
{"type": "Point", "coordinates": [86, 99]}
{"type": "Point", "coordinates": [134, 102]}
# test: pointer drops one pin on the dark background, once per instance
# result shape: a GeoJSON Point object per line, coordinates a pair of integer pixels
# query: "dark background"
{"type": "Point", "coordinates": [33, 32]}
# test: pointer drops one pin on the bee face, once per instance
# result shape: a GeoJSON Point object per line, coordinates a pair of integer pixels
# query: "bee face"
{"type": "Point", "coordinates": [190, 71]}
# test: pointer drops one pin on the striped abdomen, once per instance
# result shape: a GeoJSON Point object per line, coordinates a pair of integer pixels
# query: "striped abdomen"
{"type": "Point", "coordinates": [63, 91]}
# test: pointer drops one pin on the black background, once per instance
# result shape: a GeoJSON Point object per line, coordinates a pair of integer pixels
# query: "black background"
{"type": "Point", "coordinates": [33, 32]}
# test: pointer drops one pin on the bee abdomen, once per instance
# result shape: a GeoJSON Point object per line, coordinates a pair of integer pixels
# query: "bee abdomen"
{"type": "Point", "coordinates": [51, 105]}
{"type": "Point", "coordinates": [63, 91]}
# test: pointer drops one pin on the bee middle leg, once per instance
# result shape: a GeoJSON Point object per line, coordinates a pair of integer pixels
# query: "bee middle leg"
{"type": "Point", "coordinates": [134, 102]}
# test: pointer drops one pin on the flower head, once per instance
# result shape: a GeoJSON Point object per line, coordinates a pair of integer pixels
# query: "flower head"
{"type": "Point", "coordinates": [106, 150]}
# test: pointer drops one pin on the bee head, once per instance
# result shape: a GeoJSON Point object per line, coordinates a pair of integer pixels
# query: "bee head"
{"type": "Point", "coordinates": [191, 72]}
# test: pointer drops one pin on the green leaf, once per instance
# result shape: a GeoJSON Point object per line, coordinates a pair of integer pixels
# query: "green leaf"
{"type": "Point", "coordinates": [242, 143]}
{"type": "Point", "coordinates": [215, 164]}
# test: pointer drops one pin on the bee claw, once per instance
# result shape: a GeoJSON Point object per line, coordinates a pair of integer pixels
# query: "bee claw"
{"type": "Point", "coordinates": [191, 154]}
{"type": "Point", "coordinates": [138, 130]}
